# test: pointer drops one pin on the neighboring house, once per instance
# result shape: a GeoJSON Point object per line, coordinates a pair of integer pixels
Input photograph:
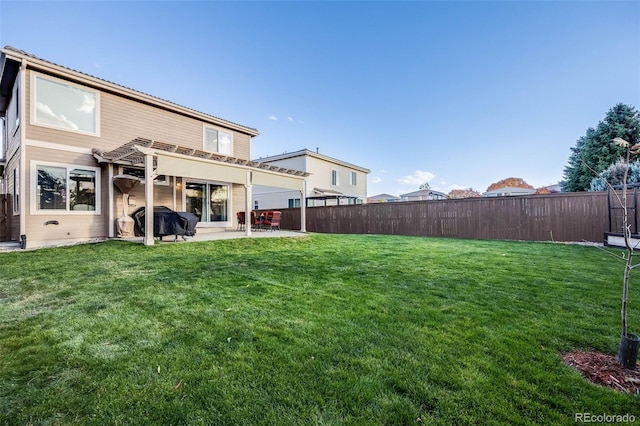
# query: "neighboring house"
{"type": "Point", "coordinates": [66, 134]}
{"type": "Point", "coordinates": [423, 194]}
{"type": "Point", "coordinates": [555, 188]}
{"type": "Point", "coordinates": [330, 182]}
{"type": "Point", "coordinates": [509, 191]}
{"type": "Point", "coordinates": [383, 198]}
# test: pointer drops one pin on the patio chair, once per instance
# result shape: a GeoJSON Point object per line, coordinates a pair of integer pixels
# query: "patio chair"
{"type": "Point", "coordinates": [256, 221]}
{"type": "Point", "coordinates": [272, 222]}
{"type": "Point", "coordinates": [241, 220]}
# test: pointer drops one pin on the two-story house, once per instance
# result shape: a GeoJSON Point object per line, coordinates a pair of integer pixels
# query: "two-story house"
{"type": "Point", "coordinates": [330, 182]}
{"type": "Point", "coordinates": [66, 134]}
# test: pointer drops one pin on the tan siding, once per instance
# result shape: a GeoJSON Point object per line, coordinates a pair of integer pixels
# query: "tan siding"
{"type": "Point", "coordinates": [162, 196]}
{"type": "Point", "coordinates": [237, 202]}
{"type": "Point", "coordinates": [70, 226]}
{"type": "Point", "coordinates": [13, 221]}
{"type": "Point", "coordinates": [122, 120]}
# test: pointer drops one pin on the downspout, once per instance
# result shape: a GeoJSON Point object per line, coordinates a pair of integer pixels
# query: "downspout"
{"type": "Point", "coordinates": [23, 155]}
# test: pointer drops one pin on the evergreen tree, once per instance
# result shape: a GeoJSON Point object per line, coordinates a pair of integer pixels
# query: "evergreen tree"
{"type": "Point", "coordinates": [614, 175]}
{"type": "Point", "coordinates": [594, 152]}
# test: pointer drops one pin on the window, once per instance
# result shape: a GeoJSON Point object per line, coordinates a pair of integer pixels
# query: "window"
{"type": "Point", "coordinates": [209, 201]}
{"type": "Point", "coordinates": [217, 141]}
{"type": "Point", "coordinates": [335, 178]}
{"type": "Point", "coordinates": [3, 131]}
{"type": "Point", "coordinates": [65, 106]}
{"type": "Point", "coordinates": [139, 173]}
{"type": "Point", "coordinates": [16, 190]}
{"type": "Point", "coordinates": [353, 178]}
{"type": "Point", "coordinates": [65, 188]}
{"type": "Point", "coordinates": [17, 106]}
{"type": "Point", "coordinates": [294, 203]}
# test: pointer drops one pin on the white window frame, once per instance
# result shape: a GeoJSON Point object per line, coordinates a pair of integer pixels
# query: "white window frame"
{"type": "Point", "coordinates": [34, 189]}
{"type": "Point", "coordinates": [16, 191]}
{"type": "Point", "coordinates": [294, 203]}
{"type": "Point", "coordinates": [335, 177]}
{"type": "Point", "coordinates": [34, 98]}
{"type": "Point", "coordinates": [205, 128]}
{"type": "Point", "coordinates": [353, 178]}
{"type": "Point", "coordinates": [220, 224]}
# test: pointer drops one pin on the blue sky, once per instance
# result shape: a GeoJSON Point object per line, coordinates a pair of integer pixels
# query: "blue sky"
{"type": "Point", "coordinates": [459, 94]}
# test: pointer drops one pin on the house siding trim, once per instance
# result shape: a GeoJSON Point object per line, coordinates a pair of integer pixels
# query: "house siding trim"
{"type": "Point", "coordinates": [57, 146]}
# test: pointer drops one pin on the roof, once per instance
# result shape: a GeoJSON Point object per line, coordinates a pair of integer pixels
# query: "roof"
{"type": "Point", "coordinates": [511, 189]}
{"type": "Point", "coordinates": [383, 197]}
{"type": "Point", "coordinates": [309, 153]}
{"type": "Point", "coordinates": [423, 192]}
{"type": "Point", "coordinates": [11, 56]}
{"type": "Point", "coordinates": [329, 194]}
{"type": "Point", "coordinates": [323, 191]}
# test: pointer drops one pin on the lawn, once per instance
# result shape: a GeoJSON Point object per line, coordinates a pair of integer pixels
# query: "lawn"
{"type": "Point", "coordinates": [323, 329]}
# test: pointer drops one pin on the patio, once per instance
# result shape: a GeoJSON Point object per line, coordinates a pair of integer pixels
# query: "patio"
{"type": "Point", "coordinates": [200, 236]}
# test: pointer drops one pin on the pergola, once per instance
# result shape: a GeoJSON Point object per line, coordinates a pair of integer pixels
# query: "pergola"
{"type": "Point", "coordinates": [160, 158]}
{"type": "Point", "coordinates": [329, 194]}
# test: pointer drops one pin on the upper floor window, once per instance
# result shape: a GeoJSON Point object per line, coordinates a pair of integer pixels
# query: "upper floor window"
{"type": "Point", "coordinates": [65, 188]}
{"type": "Point", "coordinates": [353, 180]}
{"type": "Point", "coordinates": [64, 106]}
{"type": "Point", "coordinates": [335, 178]}
{"type": "Point", "coordinates": [16, 190]}
{"type": "Point", "coordinates": [217, 141]}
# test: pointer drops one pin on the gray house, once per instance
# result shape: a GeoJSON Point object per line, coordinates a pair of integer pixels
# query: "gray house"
{"type": "Point", "coordinates": [424, 194]}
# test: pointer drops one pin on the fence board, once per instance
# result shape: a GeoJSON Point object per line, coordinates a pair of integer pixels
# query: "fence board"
{"type": "Point", "coordinates": [579, 216]}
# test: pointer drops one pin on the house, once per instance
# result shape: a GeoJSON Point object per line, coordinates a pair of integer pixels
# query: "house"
{"type": "Point", "coordinates": [423, 194]}
{"type": "Point", "coordinates": [382, 198]}
{"type": "Point", "coordinates": [509, 191]}
{"type": "Point", "coordinates": [67, 134]}
{"type": "Point", "coordinates": [330, 182]}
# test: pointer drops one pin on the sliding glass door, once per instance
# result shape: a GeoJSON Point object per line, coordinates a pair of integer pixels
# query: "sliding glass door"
{"type": "Point", "coordinates": [209, 201]}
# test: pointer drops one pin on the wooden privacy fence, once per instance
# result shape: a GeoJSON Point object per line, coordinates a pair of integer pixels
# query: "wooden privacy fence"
{"type": "Point", "coordinates": [555, 217]}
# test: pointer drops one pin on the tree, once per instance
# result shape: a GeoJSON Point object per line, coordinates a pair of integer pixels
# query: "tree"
{"type": "Point", "coordinates": [614, 175]}
{"type": "Point", "coordinates": [424, 187]}
{"type": "Point", "coordinates": [576, 173]}
{"type": "Point", "coordinates": [543, 191]}
{"type": "Point", "coordinates": [463, 193]}
{"type": "Point", "coordinates": [628, 349]}
{"type": "Point", "coordinates": [509, 182]}
{"type": "Point", "coordinates": [594, 151]}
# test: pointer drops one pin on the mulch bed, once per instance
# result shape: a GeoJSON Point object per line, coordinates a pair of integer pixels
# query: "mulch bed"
{"type": "Point", "coordinates": [603, 369]}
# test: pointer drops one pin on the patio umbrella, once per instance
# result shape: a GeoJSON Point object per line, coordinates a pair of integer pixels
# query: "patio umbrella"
{"type": "Point", "coordinates": [125, 184]}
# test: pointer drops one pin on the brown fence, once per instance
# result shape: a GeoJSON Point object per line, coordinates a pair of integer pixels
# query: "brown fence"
{"type": "Point", "coordinates": [555, 217]}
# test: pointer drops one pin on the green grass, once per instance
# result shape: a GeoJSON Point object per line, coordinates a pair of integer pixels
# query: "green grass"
{"type": "Point", "coordinates": [324, 329]}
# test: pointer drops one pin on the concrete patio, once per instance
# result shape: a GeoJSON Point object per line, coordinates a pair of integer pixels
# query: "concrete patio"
{"type": "Point", "coordinates": [9, 246]}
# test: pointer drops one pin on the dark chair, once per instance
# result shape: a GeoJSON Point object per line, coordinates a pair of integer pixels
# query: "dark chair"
{"type": "Point", "coordinates": [273, 220]}
{"type": "Point", "coordinates": [256, 221]}
{"type": "Point", "coordinates": [241, 220]}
